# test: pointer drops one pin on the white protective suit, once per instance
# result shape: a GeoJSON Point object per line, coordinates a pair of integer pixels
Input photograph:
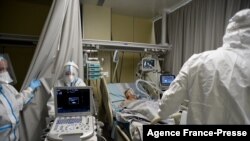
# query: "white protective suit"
{"type": "Point", "coordinates": [216, 83]}
{"type": "Point", "coordinates": [11, 103]}
{"type": "Point", "coordinates": [65, 81]}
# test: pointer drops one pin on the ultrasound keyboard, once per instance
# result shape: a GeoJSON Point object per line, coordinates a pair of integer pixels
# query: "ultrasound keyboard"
{"type": "Point", "coordinates": [84, 126]}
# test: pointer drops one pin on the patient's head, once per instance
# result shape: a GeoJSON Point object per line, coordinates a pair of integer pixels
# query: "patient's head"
{"type": "Point", "coordinates": [130, 94]}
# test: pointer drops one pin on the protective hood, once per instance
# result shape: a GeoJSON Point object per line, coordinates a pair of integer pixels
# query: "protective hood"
{"type": "Point", "coordinates": [238, 30]}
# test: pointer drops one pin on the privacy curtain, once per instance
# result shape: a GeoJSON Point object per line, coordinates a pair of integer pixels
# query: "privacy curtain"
{"type": "Point", "coordinates": [59, 42]}
{"type": "Point", "coordinates": [198, 26]}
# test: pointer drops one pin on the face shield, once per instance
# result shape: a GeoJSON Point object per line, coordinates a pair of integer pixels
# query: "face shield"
{"type": "Point", "coordinates": [7, 74]}
{"type": "Point", "coordinates": [70, 72]}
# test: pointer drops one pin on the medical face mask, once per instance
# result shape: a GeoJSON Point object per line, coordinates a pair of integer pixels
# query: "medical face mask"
{"type": "Point", "coordinates": [5, 77]}
{"type": "Point", "coordinates": [69, 78]}
{"type": "Point", "coordinates": [70, 74]}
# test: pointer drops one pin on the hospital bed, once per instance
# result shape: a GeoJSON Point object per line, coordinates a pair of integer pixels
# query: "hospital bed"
{"type": "Point", "coordinates": [108, 119]}
{"type": "Point", "coordinates": [113, 95]}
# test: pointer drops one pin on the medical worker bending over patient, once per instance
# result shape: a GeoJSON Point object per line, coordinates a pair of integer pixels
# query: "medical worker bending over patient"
{"type": "Point", "coordinates": [69, 78]}
{"type": "Point", "coordinates": [216, 83]}
{"type": "Point", "coordinates": [11, 101]}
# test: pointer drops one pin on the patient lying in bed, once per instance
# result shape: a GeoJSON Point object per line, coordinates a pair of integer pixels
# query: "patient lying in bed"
{"type": "Point", "coordinates": [130, 96]}
{"type": "Point", "coordinates": [133, 108]}
{"type": "Point", "coordinates": [137, 112]}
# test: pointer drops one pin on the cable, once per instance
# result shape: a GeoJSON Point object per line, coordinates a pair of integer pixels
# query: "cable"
{"type": "Point", "coordinates": [116, 60]}
{"type": "Point", "coordinates": [100, 136]}
{"type": "Point", "coordinates": [137, 87]}
{"type": "Point", "coordinates": [94, 106]}
{"type": "Point", "coordinates": [114, 75]}
{"type": "Point", "coordinates": [151, 84]}
{"type": "Point", "coordinates": [120, 74]}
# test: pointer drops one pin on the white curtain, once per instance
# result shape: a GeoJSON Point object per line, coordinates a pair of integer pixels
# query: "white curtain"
{"type": "Point", "coordinates": [59, 42]}
{"type": "Point", "coordinates": [198, 26]}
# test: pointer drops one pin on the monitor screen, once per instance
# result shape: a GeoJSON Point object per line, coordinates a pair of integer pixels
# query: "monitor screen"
{"type": "Point", "coordinates": [73, 100]}
{"type": "Point", "coordinates": [166, 79]}
{"type": "Point", "coordinates": [148, 64]}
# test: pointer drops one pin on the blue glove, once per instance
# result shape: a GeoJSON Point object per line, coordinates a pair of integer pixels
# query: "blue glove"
{"type": "Point", "coordinates": [35, 84]}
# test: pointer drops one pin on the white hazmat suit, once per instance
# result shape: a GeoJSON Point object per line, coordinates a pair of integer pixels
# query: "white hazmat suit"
{"type": "Point", "coordinates": [70, 79]}
{"type": "Point", "coordinates": [11, 103]}
{"type": "Point", "coordinates": [216, 83]}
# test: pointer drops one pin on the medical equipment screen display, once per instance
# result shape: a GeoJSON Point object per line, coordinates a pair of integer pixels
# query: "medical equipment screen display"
{"type": "Point", "coordinates": [73, 100]}
{"type": "Point", "coordinates": [166, 80]}
{"type": "Point", "coordinates": [148, 64]}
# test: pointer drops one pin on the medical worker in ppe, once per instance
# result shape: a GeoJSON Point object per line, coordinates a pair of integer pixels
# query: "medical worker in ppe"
{"type": "Point", "coordinates": [12, 102]}
{"type": "Point", "coordinates": [216, 83]}
{"type": "Point", "coordinates": [69, 78]}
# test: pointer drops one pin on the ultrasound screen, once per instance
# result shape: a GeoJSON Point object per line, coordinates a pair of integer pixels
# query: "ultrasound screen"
{"type": "Point", "coordinates": [73, 100]}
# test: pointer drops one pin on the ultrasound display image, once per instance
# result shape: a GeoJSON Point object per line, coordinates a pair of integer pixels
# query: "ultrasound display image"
{"type": "Point", "coordinates": [73, 100]}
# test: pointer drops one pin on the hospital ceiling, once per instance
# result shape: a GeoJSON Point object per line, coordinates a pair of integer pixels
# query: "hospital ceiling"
{"type": "Point", "coordinates": [140, 8]}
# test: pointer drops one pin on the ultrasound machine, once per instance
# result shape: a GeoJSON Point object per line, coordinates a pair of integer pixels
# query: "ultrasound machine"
{"type": "Point", "coordinates": [74, 115]}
